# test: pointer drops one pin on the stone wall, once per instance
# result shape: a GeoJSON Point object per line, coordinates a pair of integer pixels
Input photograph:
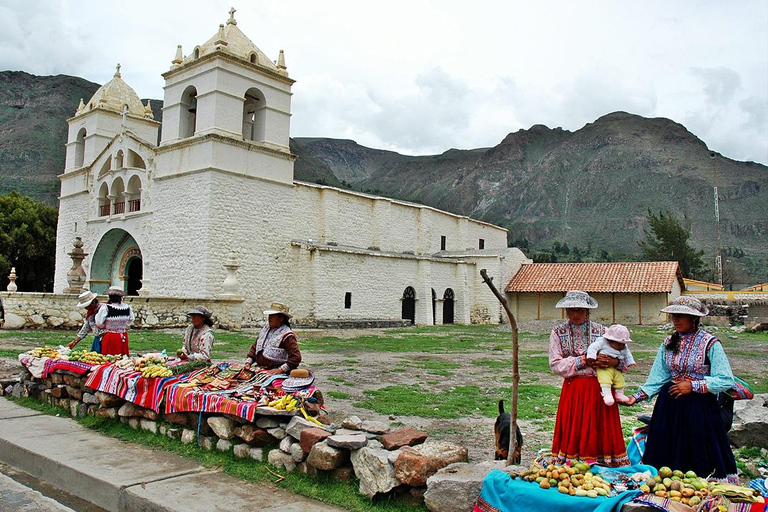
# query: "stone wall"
{"type": "Point", "coordinates": [48, 310]}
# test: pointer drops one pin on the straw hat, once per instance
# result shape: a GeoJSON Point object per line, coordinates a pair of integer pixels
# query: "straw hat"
{"type": "Point", "coordinates": [577, 299]}
{"type": "Point", "coordinates": [200, 310]}
{"type": "Point", "coordinates": [686, 306]}
{"type": "Point", "coordinates": [115, 290]}
{"type": "Point", "coordinates": [85, 299]}
{"type": "Point", "coordinates": [617, 332]}
{"type": "Point", "coordinates": [278, 307]}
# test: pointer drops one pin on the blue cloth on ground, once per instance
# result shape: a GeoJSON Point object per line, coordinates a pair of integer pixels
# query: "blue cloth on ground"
{"type": "Point", "coordinates": [508, 495]}
{"type": "Point", "coordinates": [609, 473]}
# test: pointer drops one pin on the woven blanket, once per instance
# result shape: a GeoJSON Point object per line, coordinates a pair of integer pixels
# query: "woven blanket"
{"type": "Point", "coordinates": [41, 367]}
{"type": "Point", "coordinates": [184, 399]}
{"type": "Point", "coordinates": [130, 385]}
{"type": "Point", "coordinates": [500, 493]}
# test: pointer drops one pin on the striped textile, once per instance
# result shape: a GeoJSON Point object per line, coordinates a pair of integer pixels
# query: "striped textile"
{"type": "Point", "coordinates": [194, 400]}
{"type": "Point", "coordinates": [130, 385]}
{"type": "Point", "coordinates": [41, 367]}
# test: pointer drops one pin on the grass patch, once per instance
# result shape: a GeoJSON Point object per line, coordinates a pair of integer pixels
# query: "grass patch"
{"type": "Point", "coordinates": [341, 381]}
{"type": "Point", "coordinates": [338, 395]}
{"type": "Point", "coordinates": [434, 365]}
{"type": "Point", "coordinates": [10, 353]}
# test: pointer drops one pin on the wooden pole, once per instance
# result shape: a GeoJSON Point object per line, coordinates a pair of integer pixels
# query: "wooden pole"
{"type": "Point", "coordinates": [515, 369]}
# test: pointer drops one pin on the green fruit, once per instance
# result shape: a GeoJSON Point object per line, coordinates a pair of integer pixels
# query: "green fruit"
{"type": "Point", "coordinates": [667, 482]}
{"type": "Point", "coordinates": [678, 473]}
{"type": "Point", "coordinates": [690, 474]}
{"type": "Point", "coordinates": [657, 478]}
{"type": "Point", "coordinates": [665, 472]}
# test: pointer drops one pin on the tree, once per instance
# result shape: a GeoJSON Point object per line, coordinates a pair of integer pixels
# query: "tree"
{"type": "Point", "coordinates": [667, 240]}
{"type": "Point", "coordinates": [27, 242]}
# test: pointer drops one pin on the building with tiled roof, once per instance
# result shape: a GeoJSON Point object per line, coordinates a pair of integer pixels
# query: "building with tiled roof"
{"type": "Point", "coordinates": [627, 292]}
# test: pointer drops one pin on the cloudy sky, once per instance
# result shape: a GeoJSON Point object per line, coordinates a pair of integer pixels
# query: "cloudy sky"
{"type": "Point", "coordinates": [421, 77]}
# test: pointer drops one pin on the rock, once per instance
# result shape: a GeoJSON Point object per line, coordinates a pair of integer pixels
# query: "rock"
{"type": "Point", "coordinates": [162, 430]}
{"type": "Point", "coordinates": [326, 457]}
{"type": "Point", "coordinates": [133, 422]}
{"type": "Point", "coordinates": [59, 392]}
{"type": "Point", "coordinates": [285, 444]}
{"type": "Point", "coordinates": [173, 433]}
{"type": "Point", "coordinates": [73, 408]}
{"type": "Point", "coordinates": [57, 378]}
{"type": "Point", "coordinates": [108, 400]}
{"type": "Point", "coordinates": [257, 454]}
{"type": "Point", "coordinates": [224, 428]}
{"type": "Point", "coordinates": [199, 424]}
{"type": "Point", "coordinates": [177, 418]}
{"type": "Point", "coordinates": [296, 425]}
{"type": "Point", "coordinates": [306, 469]}
{"type": "Point", "coordinates": [373, 470]}
{"type": "Point", "coordinates": [277, 432]}
{"type": "Point", "coordinates": [350, 442]}
{"type": "Point", "coordinates": [344, 473]}
{"type": "Point", "coordinates": [252, 435]}
{"type": "Point", "coordinates": [375, 444]}
{"type": "Point", "coordinates": [455, 488]}
{"type": "Point", "coordinates": [242, 451]}
{"type": "Point", "coordinates": [188, 436]}
{"type": "Point", "coordinates": [13, 321]}
{"type": "Point", "coordinates": [352, 423]}
{"type": "Point", "coordinates": [312, 436]}
{"type": "Point", "coordinates": [148, 425]}
{"type": "Point", "coordinates": [236, 419]}
{"type": "Point", "coordinates": [297, 453]}
{"type": "Point", "coordinates": [374, 427]}
{"type": "Point", "coordinates": [406, 436]}
{"type": "Point", "coordinates": [74, 392]}
{"type": "Point", "coordinates": [750, 422]}
{"type": "Point", "coordinates": [279, 459]}
{"type": "Point", "coordinates": [415, 464]}
{"type": "Point", "coordinates": [107, 412]}
{"type": "Point", "coordinates": [223, 445]}
{"type": "Point", "coordinates": [130, 410]}
{"type": "Point", "coordinates": [415, 495]}
{"type": "Point", "coordinates": [207, 442]}
{"type": "Point", "coordinates": [266, 422]}
{"type": "Point", "coordinates": [90, 399]}
{"type": "Point", "coordinates": [74, 381]}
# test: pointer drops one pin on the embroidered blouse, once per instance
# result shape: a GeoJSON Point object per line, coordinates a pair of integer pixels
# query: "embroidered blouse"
{"type": "Point", "coordinates": [700, 358]}
{"type": "Point", "coordinates": [90, 325]}
{"type": "Point", "coordinates": [276, 348]}
{"type": "Point", "coordinates": [115, 317]}
{"type": "Point", "coordinates": [198, 343]}
{"type": "Point", "coordinates": [568, 348]}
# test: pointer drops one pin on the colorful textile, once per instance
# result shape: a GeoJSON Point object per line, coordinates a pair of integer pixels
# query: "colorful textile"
{"type": "Point", "coordinates": [586, 428]}
{"type": "Point", "coordinates": [130, 385]}
{"type": "Point", "coordinates": [90, 323]}
{"type": "Point", "coordinates": [760, 485]}
{"type": "Point", "coordinates": [636, 445]}
{"type": "Point", "coordinates": [180, 399]}
{"type": "Point", "coordinates": [568, 348]}
{"type": "Point", "coordinates": [688, 432]}
{"type": "Point", "coordinates": [115, 343]}
{"type": "Point", "coordinates": [198, 342]}
{"type": "Point", "coordinates": [41, 367]}
{"type": "Point", "coordinates": [741, 390]}
{"type": "Point", "coordinates": [276, 348]}
{"type": "Point", "coordinates": [500, 493]}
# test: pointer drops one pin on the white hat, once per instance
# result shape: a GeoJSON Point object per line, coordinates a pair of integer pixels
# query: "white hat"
{"type": "Point", "coordinates": [617, 332]}
{"type": "Point", "coordinates": [278, 308]}
{"type": "Point", "coordinates": [85, 299]}
{"type": "Point", "coordinates": [577, 299]}
{"type": "Point", "coordinates": [686, 306]}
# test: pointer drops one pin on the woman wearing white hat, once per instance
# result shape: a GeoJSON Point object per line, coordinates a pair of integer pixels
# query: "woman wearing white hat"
{"type": "Point", "coordinates": [90, 302]}
{"type": "Point", "coordinates": [198, 338]}
{"type": "Point", "coordinates": [276, 350]}
{"type": "Point", "coordinates": [690, 369]}
{"type": "Point", "coordinates": [585, 427]}
{"type": "Point", "coordinates": [114, 318]}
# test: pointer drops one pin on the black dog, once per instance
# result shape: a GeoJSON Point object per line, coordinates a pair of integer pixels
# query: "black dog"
{"type": "Point", "coordinates": [501, 432]}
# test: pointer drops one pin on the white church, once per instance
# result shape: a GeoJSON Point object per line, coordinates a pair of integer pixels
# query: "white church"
{"type": "Point", "coordinates": [205, 207]}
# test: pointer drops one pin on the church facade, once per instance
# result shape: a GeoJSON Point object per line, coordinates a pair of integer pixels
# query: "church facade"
{"type": "Point", "coordinates": [205, 206]}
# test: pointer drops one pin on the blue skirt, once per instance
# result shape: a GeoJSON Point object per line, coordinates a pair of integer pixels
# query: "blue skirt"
{"type": "Point", "coordinates": [687, 433]}
{"type": "Point", "coordinates": [96, 345]}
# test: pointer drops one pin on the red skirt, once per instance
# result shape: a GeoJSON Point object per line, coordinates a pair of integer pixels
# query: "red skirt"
{"type": "Point", "coordinates": [585, 428]}
{"type": "Point", "coordinates": [114, 343]}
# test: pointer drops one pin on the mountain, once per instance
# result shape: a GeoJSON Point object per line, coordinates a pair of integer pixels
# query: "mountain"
{"type": "Point", "coordinates": [590, 188]}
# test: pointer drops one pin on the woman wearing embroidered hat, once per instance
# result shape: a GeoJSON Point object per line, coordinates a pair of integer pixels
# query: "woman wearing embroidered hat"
{"type": "Point", "coordinates": [198, 339]}
{"type": "Point", "coordinates": [690, 369]}
{"type": "Point", "coordinates": [585, 427]}
{"type": "Point", "coordinates": [114, 318]}
{"type": "Point", "coordinates": [276, 350]}
{"type": "Point", "coordinates": [90, 302]}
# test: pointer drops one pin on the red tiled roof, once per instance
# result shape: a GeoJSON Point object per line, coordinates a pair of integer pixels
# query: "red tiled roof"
{"type": "Point", "coordinates": [625, 277]}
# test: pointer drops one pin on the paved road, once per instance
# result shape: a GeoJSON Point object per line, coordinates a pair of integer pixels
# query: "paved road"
{"type": "Point", "coordinates": [17, 497]}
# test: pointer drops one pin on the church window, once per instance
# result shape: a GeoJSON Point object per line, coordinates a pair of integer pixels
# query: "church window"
{"type": "Point", "coordinates": [104, 205]}
{"type": "Point", "coordinates": [133, 194]}
{"type": "Point", "coordinates": [442, 243]}
{"type": "Point", "coordinates": [197, 52]}
{"type": "Point", "coordinates": [481, 243]}
{"type": "Point", "coordinates": [118, 193]}
{"type": "Point", "coordinates": [135, 161]}
{"type": "Point", "coordinates": [409, 305]}
{"type": "Point", "coordinates": [254, 115]}
{"type": "Point", "coordinates": [120, 160]}
{"type": "Point", "coordinates": [448, 306]}
{"type": "Point", "coordinates": [254, 58]}
{"type": "Point", "coordinates": [188, 113]}
{"type": "Point", "coordinates": [348, 300]}
{"type": "Point", "coordinates": [80, 148]}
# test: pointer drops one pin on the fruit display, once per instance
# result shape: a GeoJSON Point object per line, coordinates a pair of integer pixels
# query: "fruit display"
{"type": "Point", "coordinates": [284, 403]}
{"type": "Point", "coordinates": [156, 370]}
{"type": "Point", "coordinates": [89, 357]}
{"type": "Point", "coordinates": [688, 488]}
{"type": "Point", "coordinates": [575, 480]}
{"type": "Point", "coordinates": [126, 363]}
{"type": "Point", "coordinates": [141, 363]}
{"type": "Point", "coordinates": [44, 352]}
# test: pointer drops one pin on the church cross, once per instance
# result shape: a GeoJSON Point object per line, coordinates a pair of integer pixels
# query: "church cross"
{"type": "Point", "coordinates": [231, 20]}
{"type": "Point", "coordinates": [117, 69]}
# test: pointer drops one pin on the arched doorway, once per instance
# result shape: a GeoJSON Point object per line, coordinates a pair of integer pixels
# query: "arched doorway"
{"type": "Point", "coordinates": [448, 301]}
{"type": "Point", "coordinates": [133, 274]}
{"type": "Point", "coordinates": [434, 306]}
{"type": "Point", "coordinates": [409, 305]}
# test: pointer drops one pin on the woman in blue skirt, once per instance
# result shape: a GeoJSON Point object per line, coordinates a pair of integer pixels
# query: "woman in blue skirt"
{"type": "Point", "coordinates": [691, 368]}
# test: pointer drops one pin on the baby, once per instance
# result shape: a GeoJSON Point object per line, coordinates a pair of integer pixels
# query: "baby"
{"type": "Point", "coordinates": [614, 344]}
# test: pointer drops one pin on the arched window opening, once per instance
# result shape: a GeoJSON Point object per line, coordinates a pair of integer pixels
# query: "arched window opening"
{"type": "Point", "coordinates": [133, 194]}
{"type": "Point", "coordinates": [434, 306]}
{"type": "Point", "coordinates": [448, 303]}
{"type": "Point", "coordinates": [118, 196]}
{"type": "Point", "coordinates": [409, 305]}
{"type": "Point", "coordinates": [254, 115]}
{"type": "Point", "coordinates": [197, 52]}
{"type": "Point", "coordinates": [119, 159]}
{"type": "Point", "coordinates": [253, 58]}
{"type": "Point", "coordinates": [188, 114]}
{"type": "Point", "coordinates": [104, 203]}
{"type": "Point", "coordinates": [106, 167]}
{"type": "Point", "coordinates": [135, 161]}
{"type": "Point", "coordinates": [80, 148]}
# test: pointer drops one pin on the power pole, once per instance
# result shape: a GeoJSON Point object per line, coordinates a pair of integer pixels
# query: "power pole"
{"type": "Point", "coordinates": [719, 255]}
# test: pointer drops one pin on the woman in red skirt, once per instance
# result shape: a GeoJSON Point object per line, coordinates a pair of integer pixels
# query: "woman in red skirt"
{"type": "Point", "coordinates": [585, 429]}
{"type": "Point", "coordinates": [114, 318]}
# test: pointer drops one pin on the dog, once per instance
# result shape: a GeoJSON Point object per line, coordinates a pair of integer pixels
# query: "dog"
{"type": "Point", "coordinates": [501, 433]}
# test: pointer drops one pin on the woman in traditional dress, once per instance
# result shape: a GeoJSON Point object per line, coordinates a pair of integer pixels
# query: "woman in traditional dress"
{"type": "Point", "coordinates": [585, 427]}
{"type": "Point", "coordinates": [90, 302]}
{"type": "Point", "coordinates": [198, 339]}
{"type": "Point", "coordinates": [686, 431]}
{"type": "Point", "coordinates": [114, 318]}
{"type": "Point", "coordinates": [276, 350]}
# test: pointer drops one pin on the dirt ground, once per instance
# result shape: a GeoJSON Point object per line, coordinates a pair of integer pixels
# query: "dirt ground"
{"type": "Point", "coordinates": [372, 370]}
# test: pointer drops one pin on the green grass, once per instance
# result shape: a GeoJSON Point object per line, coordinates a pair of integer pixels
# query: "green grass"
{"type": "Point", "coordinates": [324, 487]}
{"type": "Point", "coordinates": [10, 353]}
{"type": "Point", "coordinates": [337, 394]}
{"type": "Point", "coordinates": [341, 381]}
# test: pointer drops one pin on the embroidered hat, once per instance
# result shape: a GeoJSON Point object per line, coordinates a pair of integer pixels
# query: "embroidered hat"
{"type": "Point", "coordinates": [295, 381]}
{"type": "Point", "coordinates": [85, 299]}
{"type": "Point", "coordinates": [200, 310]}
{"type": "Point", "coordinates": [617, 332]}
{"type": "Point", "coordinates": [686, 306]}
{"type": "Point", "coordinates": [115, 290]}
{"type": "Point", "coordinates": [278, 308]}
{"type": "Point", "coordinates": [577, 299]}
